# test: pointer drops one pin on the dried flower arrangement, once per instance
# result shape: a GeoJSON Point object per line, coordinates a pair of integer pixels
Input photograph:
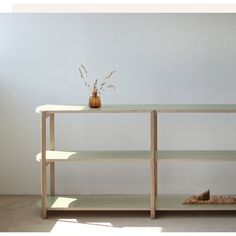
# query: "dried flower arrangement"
{"type": "Point", "coordinates": [98, 86]}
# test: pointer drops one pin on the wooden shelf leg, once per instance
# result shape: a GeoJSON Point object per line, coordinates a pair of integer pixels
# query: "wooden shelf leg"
{"type": "Point", "coordinates": [153, 166]}
{"type": "Point", "coordinates": [155, 146]}
{"type": "Point", "coordinates": [52, 178]}
{"type": "Point", "coordinates": [52, 148]}
{"type": "Point", "coordinates": [43, 165]}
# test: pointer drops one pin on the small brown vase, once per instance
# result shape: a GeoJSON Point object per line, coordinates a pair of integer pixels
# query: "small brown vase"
{"type": "Point", "coordinates": [94, 100]}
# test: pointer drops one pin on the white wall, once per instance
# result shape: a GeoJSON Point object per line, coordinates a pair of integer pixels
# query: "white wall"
{"type": "Point", "coordinates": [159, 58]}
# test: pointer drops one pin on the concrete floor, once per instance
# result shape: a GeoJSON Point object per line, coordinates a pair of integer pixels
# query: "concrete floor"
{"type": "Point", "coordinates": [20, 214]}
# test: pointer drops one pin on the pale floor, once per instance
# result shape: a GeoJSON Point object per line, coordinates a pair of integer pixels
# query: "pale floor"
{"type": "Point", "coordinates": [20, 214]}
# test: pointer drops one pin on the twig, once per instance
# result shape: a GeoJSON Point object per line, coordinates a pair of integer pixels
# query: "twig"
{"type": "Point", "coordinates": [97, 86]}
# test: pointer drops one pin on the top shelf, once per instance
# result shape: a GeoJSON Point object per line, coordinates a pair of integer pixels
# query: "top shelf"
{"type": "Point", "coordinates": [160, 108]}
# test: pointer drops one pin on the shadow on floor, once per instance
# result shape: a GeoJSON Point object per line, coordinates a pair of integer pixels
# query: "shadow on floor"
{"type": "Point", "coordinates": [171, 221]}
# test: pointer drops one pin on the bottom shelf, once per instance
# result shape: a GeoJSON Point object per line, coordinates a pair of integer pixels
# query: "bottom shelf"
{"type": "Point", "coordinates": [99, 202]}
{"type": "Point", "coordinates": [174, 202]}
{"type": "Point", "coordinates": [127, 203]}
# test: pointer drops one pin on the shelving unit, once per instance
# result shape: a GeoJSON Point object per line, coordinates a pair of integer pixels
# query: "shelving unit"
{"type": "Point", "coordinates": [152, 202]}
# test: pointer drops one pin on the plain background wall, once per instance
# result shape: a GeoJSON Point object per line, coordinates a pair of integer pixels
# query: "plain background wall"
{"type": "Point", "coordinates": [159, 58]}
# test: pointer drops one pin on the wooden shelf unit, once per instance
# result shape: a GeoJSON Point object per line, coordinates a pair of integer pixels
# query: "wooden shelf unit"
{"type": "Point", "coordinates": [152, 202]}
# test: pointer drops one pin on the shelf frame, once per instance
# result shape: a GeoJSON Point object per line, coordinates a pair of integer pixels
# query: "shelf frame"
{"type": "Point", "coordinates": [153, 109]}
{"type": "Point", "coordinates": [49, 112]}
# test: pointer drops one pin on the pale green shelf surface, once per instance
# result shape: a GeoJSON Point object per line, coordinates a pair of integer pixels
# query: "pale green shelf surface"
{"type": "Point", "coordinates": [86, 109]}
{"type": "Point", "coordinates": [131, 202]}
{"type": "Point", "coordinates": [225, 108]}
{"type": "Point", "coordinates": [201, 108]}
{"type": "Point", "coordinates": [225, 155]}
{"type": "Point", "coordinates": [98, 202]}
{"type": "Point", "coordinates": [94, 155]}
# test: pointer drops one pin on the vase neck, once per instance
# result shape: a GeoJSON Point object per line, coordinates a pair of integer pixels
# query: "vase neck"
{"type": "Point", "coordinates": [95, 93]}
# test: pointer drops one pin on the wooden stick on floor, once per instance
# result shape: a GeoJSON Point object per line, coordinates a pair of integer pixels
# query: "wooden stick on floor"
{"type": "Point", "coordinates": [52, 147]}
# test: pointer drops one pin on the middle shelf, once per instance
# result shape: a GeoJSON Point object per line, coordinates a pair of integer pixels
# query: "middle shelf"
{"type": "Point", "coordinates": [54, 156]}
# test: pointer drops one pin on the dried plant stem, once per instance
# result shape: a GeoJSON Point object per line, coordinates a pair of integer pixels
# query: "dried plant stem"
{"type": "Point", "coordinates": [109, 76]}
{"type": "Point", "coordinates": [84, 75]}
{"type": "Point", "coordinates": [97, 86]}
